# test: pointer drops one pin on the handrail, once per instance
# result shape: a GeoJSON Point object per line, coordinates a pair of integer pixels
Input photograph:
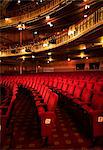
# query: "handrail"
{"type": "Point", "coordinates": [43, 10]}
{"type": "Point", "coordinates": [75, 31]}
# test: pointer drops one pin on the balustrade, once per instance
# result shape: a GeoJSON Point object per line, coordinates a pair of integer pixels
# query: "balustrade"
{"type": "Point", "coordinates": [76, 31]}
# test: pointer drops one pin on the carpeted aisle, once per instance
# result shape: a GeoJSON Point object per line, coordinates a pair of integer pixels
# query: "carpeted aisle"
{"type": "Point", "coordinates": [26, 135]}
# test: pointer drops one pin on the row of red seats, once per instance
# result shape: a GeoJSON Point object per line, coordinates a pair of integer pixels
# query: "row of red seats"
{"type": "Point", "coordinates": [6, 108]}
{"type": "Point", "coordinates": [45, 101]}
{"type": "Point", "coordinates": [84, 99]}
{"type": "Point", "coordinates": [83, 92]}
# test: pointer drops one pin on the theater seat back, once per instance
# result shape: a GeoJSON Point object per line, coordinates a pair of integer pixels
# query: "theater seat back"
{"type": "Point", "coordinates": [97, 101]}
{"type": "Point", "coordinates": [47, 95]}
{"type": "Point", "coordinates": [52, 103]}
{"type": "Point", "coordinates": [78, 91]}
{"type": "Point", "coordinates": [86, 95]}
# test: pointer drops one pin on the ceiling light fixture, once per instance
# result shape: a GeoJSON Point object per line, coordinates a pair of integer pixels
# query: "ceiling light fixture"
{"type": "Point", "coordinates": [6, 19]}
{"type": "Point", "coordinates": [49, 53]}
{"type": "Point", "coordinates": [68, 59]}
{"type": "Point", "coordinates": [87, 6]}
{"type": "Point", "coordinates": [23, 57]}
{"type": "Point", "coordinates": [70, 32]}
{"type": "Point", "coordinates": [33, 56]}
{"type": "Point", "coordinates": [35, 32]}
{"type": "Point", "coordinates": [50, 59]}
{"type": "Point", "coordinates": [21, 26]}
{"type": "Point", "coordinates": [50, 24]}
{"type": "Point", "coordinates": [82, 55]}
{"type": "Point", "coordinates": [47, 17]}
{"type": "Point", "coordinates": [85, 16]}
{"type": "Point", "coordinates": [19, 1]}
{"type": "Point", "coordinates": [45, 45]}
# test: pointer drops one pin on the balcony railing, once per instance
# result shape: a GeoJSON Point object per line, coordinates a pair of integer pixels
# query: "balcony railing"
{"type": "Point", "coordinates": [43, 10]}
{"type": "Point", "coordinates": [75, 31]}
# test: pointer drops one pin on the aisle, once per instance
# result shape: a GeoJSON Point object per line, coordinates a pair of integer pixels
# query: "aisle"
{"type": "Point", "coordinates": [26, 135]}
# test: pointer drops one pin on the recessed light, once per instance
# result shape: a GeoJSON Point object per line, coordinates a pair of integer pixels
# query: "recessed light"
{"type": "Point", "coordinates": [82, 54]}
{"type": "Point", "coordinates": [23, 57]}
{"type": "Point", "coordinates": [6, 19]}
{"type": "Point", "coordinates": [19, 1]}
{"type": "Point", "coordinates": [47, 17]}
{"type": "Point", "coordinates": [50, 59]}
{"type": "Point", "coordinates": [85, 16]}
{"type": "Point", "coordinates": [87, 6]}
{"type": "Point", "coordinates": [68, 59]}
{"type": "Point", "coordinates": [35, 32]}
{"type": "Point", "coordinates": [50, 24]}
{"type": "Point", "coordinates": [45, 45]}
{"type": "Point", "coordinates": [33, 56]}
{"type": "Point", "coordinates": [87, 57]}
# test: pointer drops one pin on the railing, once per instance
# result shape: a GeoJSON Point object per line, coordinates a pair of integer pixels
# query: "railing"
{"type": "Point", "coordinates": [75, 31]}
{"type": "Point", "coordinates": [43, 10]}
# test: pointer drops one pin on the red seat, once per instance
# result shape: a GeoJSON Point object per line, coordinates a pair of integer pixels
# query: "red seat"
{"type": "Point", "coordinates": [95, 113]}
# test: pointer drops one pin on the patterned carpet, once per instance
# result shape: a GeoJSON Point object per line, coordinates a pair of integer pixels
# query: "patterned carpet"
{"type": "Point", "coordinates": [26, 135]}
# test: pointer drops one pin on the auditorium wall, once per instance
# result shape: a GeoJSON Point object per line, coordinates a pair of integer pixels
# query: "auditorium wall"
{"type": "Point", "coordinates": [55, 66]}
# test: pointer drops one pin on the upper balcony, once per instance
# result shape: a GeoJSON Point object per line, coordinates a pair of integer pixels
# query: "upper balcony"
{"type": "Point", "coordinates": [36, 14]}
{"type": "Point", "coordinates": [74, 32]}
